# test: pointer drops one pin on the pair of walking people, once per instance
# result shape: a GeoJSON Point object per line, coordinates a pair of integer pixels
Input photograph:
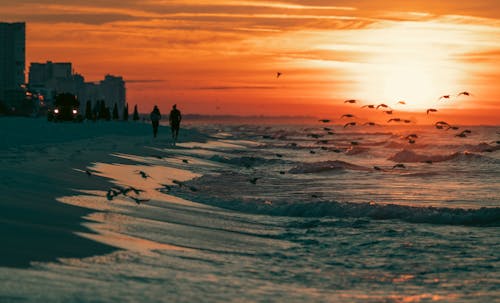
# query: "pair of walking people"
{"type": "Point", "coordinates": [174, 118]}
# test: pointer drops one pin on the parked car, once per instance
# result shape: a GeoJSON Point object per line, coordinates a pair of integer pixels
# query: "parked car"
{"type": "Point", "coordinates": [66, 108]}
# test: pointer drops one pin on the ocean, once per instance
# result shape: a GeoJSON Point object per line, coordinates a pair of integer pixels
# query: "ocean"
{"type": "Point", "coordinates": [288, 213]}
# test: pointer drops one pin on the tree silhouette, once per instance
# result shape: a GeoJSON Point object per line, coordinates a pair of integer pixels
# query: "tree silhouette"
{"type": "Point", "coordinates": [136, 113]}
{"type": "Point", "coordinates": [115, 112]}
{"type": "Point", "coordinates": [88, 110]}
{"type": "Point", "coordinates": [125, 112]}
{"type": "Point", "coordinates": [107, 114]}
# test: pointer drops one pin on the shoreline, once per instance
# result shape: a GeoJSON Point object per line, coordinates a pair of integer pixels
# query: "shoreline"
{"type": "Point", "coordinates": [35, 227]}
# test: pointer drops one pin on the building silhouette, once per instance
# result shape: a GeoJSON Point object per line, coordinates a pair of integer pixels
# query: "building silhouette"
{"type": "Point", "coordinates": [51, 78]}
{"type": "Point", "coordinates": [12, 61]}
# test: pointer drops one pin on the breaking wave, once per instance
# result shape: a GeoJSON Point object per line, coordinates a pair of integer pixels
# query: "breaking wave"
{"type": "Point", "coordinates": [325, 166]}
{"type": "Point", "coordinates": [410, 156]}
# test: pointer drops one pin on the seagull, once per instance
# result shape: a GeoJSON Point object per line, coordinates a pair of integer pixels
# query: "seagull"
{"type": "Point", "coordinates": [399, 165]}
{"type": "Point", "coordinates": [138, 200]}
{"type": "Point", "coordinates": [401, 102]}
{"type": "Point", "coordinates": [349, 124]}
{"type": "Point", "coordinates": [111, 194]}
{"type": "Point", "coordinates": [369, 106]}
{"type": "Point", "coordinates": [185, 161]}
{"type": "Point", "coordinates": [406, 121]}
{"type": "Point", "coordinates": [279, 155]}
{"type": "Point", "coordinates": [144, 174]}
{"type": "Point", "coordinates": [370, 123]}
{"type": "Point", "coordinates": [394, 119]}
{"type": "Point", "coordinates": [278, 74]}
{"type": "Point", "coordinates": [389, 112]}
{"type": "Point", "coordinates": [347, 115]}
{"type": "Point", "coordinates": [324, 120]}
{"type": "Point", "coordinates": [464, 93]}
{"type": "Point", "coordinates": [312, 152]}
{"type": "Point", "coordinates": [444, 97]}
{"type": "Point", "coordinates": [382, 105]}
{"type": "Point", "coordinates": [350, 101]}
{"type": "Point", "coordinates": [431, 110]}
{"type": "Point", "coordinates": [135, 190]}
{"type": "Point", "coordinates": [453, 127]}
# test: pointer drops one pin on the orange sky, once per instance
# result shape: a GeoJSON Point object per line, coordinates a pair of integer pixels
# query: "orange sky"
{"type": "Point", "coordinates": [221, 56]}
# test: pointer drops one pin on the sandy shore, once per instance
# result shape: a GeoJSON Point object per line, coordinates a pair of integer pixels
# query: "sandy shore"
{"type": "Point", "coordinates": [41, 161]}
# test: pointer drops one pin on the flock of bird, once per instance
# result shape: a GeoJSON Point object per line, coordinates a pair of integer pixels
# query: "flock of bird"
{"type": "Point", "coordinates": [390, 111]}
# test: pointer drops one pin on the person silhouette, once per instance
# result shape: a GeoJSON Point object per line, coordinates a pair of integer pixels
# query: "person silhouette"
{"type": "Point", "coordinates": [155, 120]}
{"type": "Point", "coordinates": [175, 122]}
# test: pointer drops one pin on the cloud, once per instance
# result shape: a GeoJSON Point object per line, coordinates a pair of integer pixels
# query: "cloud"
{"type": "Point", "coordinates": [234, 87]}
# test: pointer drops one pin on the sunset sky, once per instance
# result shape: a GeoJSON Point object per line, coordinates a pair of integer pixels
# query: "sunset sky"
{"type": "Point", "coordinates": [222, 56]}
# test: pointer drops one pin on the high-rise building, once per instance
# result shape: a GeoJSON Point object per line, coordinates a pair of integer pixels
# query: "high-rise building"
{"type": "Point", "coordinates": [113, 90]}
{"type": "Point", "coordinates": [12, 58]}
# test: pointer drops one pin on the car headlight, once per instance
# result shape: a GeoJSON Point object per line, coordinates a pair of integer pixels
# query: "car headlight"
{"type": "Point", "coordinates": [56, 111]}
{"type": "Point", "coordinates": [75, 112]}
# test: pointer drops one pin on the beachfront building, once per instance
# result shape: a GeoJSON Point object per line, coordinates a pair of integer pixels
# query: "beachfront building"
{"type": "Point", "coordinates": [12, 61]}
{"type": "Point", "coordinates": [52, 78]}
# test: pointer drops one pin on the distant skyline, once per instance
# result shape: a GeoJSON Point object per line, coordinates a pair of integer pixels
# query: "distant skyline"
{"type": "Point", "coordinates": [222, 56]}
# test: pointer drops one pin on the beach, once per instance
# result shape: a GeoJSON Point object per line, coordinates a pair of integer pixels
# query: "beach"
{"type": "Point", "coordinates": [104, 212]}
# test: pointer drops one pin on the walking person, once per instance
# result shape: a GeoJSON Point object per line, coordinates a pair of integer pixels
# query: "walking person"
{"type": "Point", "coordinates": [175, 122]}
{"type": "Point", "coordinates": [155, 120]}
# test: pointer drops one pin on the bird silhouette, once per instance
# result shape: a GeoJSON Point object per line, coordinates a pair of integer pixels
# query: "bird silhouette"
{"type": "Point", "coordinates": [464, 93]}
{"type": "Point", "coordinates": [278, 74]}
{"type": "Point", "coordinates": [394, 119]}
{"type": "Point", "coordinates": [399, 165]}
{"type": "Point", "coordinates": [370, 123]}
{"type": "Point", "coordinates": [431, 110]}
{"type": "Point", "coordinates": [347, 115]}
{"type": "Point", "coordinates": [369, 106]}
{"type": "Point", "coordinates": [444, 97]}
{"type": "Point", "coordinates": [324, 120]}
{"type": "Point", "coordinates": [327, 128]}
{"type": "Point", "coordinates": [312, 152]}
{"type": "Point", "coordinates": [401, 102]}
{"type": "Point", "coordinates": [279, 155]}
{"type": "Point", "coordinates": [382, 105]}
{"type": "Point", "coordinates": [389, 112]}
{"type": "Point", "coordinates": [411, 141]}
{"type": "Point", "coordinates": [144, 174]}
{"type": "Point", "coordinates": [349, 124]}
{"type": "Point", "coordinates": [139, 200]}
{"type": "Point", "coordinates": [406, 121]}
{"type": "Point", "coordinates": [185, 161]}
{"type": "Point", "coordinates": [350, 101]}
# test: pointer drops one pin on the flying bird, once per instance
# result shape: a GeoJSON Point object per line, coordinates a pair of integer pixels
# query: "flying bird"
{"type": "Point", "coordinates": [406, 121]}
{"type": "Point", "coordinates": [394, 119]}
{"type": "Point", "coordinates": [185, 161]}
{"type": "Point", "coordinates": [350, 101]}
{"type": "Point", "coordinates": [431, 110]}
{"type": "Point", "coordinates": [382, 105]}
{"type": "Point", "coordinates": [279, 155]}
{"type": "Point", "coordinates": [144, 174]}
{"type": "Point", "coordinates": [139, 200]}
{"type": "Point", "coordinates": [370, 123]}
{"type": "Point", "coordinates": [401, 102]}
{"type": "Point", "coordinates": [349, 124]}
{"type": "Point", "coordinates": [444, 97]}
{"type": "Point", "coordinates": [324, 120]}
{"type": "Point", "coordinates": [369, 106]}
{"type": "Point", "coordinates": [464, 93]}
{"type": "Point", "coordinates": [389, 112]}
{"type": "Point", "coordinates": [278, 74]}
{"type": "Point", "coordinates": [347, 115]}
